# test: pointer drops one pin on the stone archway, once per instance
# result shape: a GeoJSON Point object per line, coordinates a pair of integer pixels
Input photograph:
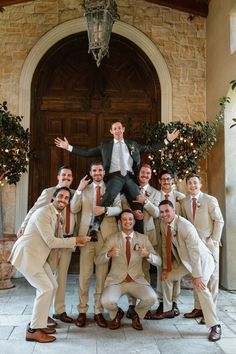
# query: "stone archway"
{"type": "Point", "coordinates": [45, 43]}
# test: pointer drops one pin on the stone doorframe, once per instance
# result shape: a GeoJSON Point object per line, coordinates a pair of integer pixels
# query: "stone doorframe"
{"type": "Point", "coordinates": [44, 44]}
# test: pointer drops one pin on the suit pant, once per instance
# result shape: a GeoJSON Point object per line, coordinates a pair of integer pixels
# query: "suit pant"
{"type": "Point", "coordinates": [87, 256]}
{"type": "Point", "coordinates": [61, 277]}
{"type": "Point", "coordinates": [205, 297]}
{"type": "Point", "coordinates": [112, 293]}
{"type": "Point", "coordinates": [45, 283]}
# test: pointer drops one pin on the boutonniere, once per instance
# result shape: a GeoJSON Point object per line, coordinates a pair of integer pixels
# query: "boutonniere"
{"type": "Point", "coordinates": [175, 233]}
{"type": "Point", "coordinates": [147, 194]}
{"type": "Point", "coordinates": [198, 205]}
{"type": "Point", "coordinates": [136, 247]}
{"type": "Point", "coordinates": [131, 149]}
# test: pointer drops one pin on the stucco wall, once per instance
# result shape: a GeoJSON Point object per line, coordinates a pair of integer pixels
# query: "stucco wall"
{"type": "Point", "coordinates": [180, 41]}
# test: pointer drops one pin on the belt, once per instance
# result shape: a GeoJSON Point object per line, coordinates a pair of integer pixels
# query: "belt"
{"type": "Point", "coordinates": [66, 236]}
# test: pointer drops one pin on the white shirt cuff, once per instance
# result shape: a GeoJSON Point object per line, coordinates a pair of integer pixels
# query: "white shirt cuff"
{"type": "Point", "coordinates": [166, 141]}
{"type": "Point", "coordinates": [70, 148]}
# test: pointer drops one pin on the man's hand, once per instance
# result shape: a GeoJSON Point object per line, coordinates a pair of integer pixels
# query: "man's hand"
{"type": "Point", "coordinates": [83, 183]}
{"type": "Point", "coordinates": [140, 198]}
{"type": "Point", "coordinates": [164, 275]}
{"type": "Point", "coordinates": [143, 252]}
{"type": "Point", "coordinates": [82, 240]}
{"type": "Point", "coordinates": [198, 284]}
{"type": "Point", "coordinates": [99, 210]}
{"type": "Point", "coordinates": [138, 214]}
{"type": "Point", "coordinates": [20, 232]}
{"type": "Point", "coordinates": [114, 252]}
{"type": "Point", "coordinates": [62, 143]}
{"type": "Point", "coordinates": [172, 136]}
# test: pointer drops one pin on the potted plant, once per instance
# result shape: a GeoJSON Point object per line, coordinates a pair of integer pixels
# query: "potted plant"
{"type": "Point", "coordinates": [14, 150]}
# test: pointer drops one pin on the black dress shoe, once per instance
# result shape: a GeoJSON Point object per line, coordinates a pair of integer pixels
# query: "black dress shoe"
{"type": "Point", "coordinates": [175, 309]}
{"type": "Point", "coordinates": [63, 317]}
{"type": "Point", "coordinates": [130, 311]}
{"type": "Point", "coordinates": [215, 333]}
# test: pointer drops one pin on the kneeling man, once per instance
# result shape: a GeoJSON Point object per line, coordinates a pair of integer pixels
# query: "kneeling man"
{"type": "Point", "coordinates": [127, 249]}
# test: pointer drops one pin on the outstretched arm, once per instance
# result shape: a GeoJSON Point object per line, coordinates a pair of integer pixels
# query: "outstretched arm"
{"type": "Point", "coordinates": [172, 136]}
{"type": "Point", "coordinates": [63, 144]}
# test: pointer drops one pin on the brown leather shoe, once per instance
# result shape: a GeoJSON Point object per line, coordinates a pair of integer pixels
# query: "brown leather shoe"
{"type": "Point", "coordinates": [39, 336]}
{"type": "Point", "coordinates": [136, 322]}
{"type": "Point", "coordinates": [148, 315]}
{"type": "Point", "coordinates": [130, 311]}
{"type": "Point", "coordinates": [81, 320]}
{"type": "Point", "coordinates": [194, 314]}
{"type": "Point", "coordinates": [100, 320]}
{"type": "Point", "coordinates": [215, 333]}
{"type": "Point", "coordinates": [48, 330]}
{"type": "Point", "coordinates": [115, 323]}
{"type": "Point", "coordinates": [161, 316]}
{"type": "Point", "coordinates": [63, 317]}
{"type": "Point", "coordinates": [51, 323]}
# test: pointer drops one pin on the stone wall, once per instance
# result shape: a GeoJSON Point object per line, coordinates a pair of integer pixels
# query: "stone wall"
{"type": "Point", "coordinates": [180, 40]}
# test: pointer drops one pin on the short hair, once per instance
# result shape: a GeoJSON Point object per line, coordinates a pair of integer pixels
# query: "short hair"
{"type": "Point", "coordinates": [117, 121]}
{"type": "Point", "coordinates": [191, 175]}
{"type": "Point", "coordinates": [95, 163]}
{"type": "Point", "coordinates": [165, 172]}
{"type": "Point", "coordinates": [146, 165]}
{"type": "Point", "coordinates": [167, 202]}
{"type": "Point", "coordinates": [63, 168]}
{"type": "Point", "coordinates": [61, 188]}
{"type": "Point", "coordinates": [125, 211]}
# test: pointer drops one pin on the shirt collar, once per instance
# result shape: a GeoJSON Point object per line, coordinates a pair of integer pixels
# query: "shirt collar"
{"type": "Point", "coordinates": [124, 235]}
{"type": "Point", "coordinates": [196, 196]}
{"type": "Point", "coordinates": [100, 184]}
{"type": "Point", "coordinates": [144, 187]}
{"type": "Point", "coordinates": [118, 141]}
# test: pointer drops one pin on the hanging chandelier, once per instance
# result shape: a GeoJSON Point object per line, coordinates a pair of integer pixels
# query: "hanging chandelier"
{"type": "Point", "coordinates": [100, 15]}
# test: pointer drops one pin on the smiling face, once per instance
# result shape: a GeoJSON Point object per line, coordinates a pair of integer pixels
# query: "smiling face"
{"type": "Point", "coordinates": [166, 181]}
{"type": "Point", "coordinates": [117, 130]}
{"type": "Point", "coordinates": [145, 175]}
{"type": "Point", "coordinates": [61, 200]}
{"type": "Point", "coordinates": [97, 173]}
{"type": "Point", "coordinates": [167, 213]}
{"type": "Point", "coordinates": [65, 177]}
{"type": "Point", "coordinates": [127, 222]}
{"type": "Point", "coordinates": [194, 186]}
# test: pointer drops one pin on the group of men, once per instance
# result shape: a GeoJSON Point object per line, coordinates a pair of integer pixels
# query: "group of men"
{"type": "Point", "coordinates": [149, 230]}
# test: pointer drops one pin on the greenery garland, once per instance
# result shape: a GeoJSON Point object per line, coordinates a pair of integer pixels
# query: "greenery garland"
{"type": "Point", "coordinates": [193, 144]}
{"type": "Point", "coordinates": [14, 146]}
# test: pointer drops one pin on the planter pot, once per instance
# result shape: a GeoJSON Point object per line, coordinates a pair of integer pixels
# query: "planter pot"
{"type": "Point", "coordinates": [6, 269]}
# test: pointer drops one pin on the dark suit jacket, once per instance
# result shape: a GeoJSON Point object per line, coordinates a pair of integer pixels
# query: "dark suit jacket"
{"type": "Point", "coordinates": [105, 151]}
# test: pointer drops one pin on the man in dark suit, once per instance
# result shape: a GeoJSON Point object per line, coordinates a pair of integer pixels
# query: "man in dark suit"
{"type": "Point", "coordinates": [121, 160]}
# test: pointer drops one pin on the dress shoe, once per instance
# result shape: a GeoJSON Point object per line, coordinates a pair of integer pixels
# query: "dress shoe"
{"type": "Point", "coordinates": [51, 323]}
{"type": "Point", "coordinates": [44, 330]}
{"type": "Point", "coordinates": [202, 321]}
{"type": "Point", "coordinates": [215, 333]}
{"type": "Point", "coordinates": [115, 323]}
{"type": "Point", "coordinates": [194, 314]}
{"type": "Point", "coordinates": [100, 320]}
{"type": "Point", "coordinates": [175, 309]}
{"type": "Point", "coordinates": [148, 315]}
{"type": "Point", "coordinates": [159, 310]}
{"type": "Point", "coordinates": [81, 320]}
{"type": "Point", "coordinates": [39, 336]}
{"type": "Point", "coordinates": [130, 311]}
{"type": "Point", "coordinates": [161, 316]}
{"type": "Point", "coordinates": [136, 322]}
{"type": "Point", "coordinates": [63, 317]}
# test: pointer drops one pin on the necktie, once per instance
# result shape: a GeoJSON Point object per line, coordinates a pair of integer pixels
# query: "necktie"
{"type": "Point", "coordinates": [168, 248]}
{"type": "Point", "coordinates": [58, 226]}
{"type": "Point", "coordinates": [194, 206]}
{"type": "Point", "coordinates": [167, 197]}
{"type": "Point", "coordinates": [128, 254]}
{"type": "Point", "coordinates": [123, 170]}
{"type": "Point", "coordinates": [98, 195]}
{"type": "Point", "coordinates": [67, 227]}
{"type": "Point", "coordinates": [142, 191]}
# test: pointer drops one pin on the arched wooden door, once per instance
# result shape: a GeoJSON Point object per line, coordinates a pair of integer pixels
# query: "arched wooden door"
{"type": "Point", "coordinates": [71, 97]}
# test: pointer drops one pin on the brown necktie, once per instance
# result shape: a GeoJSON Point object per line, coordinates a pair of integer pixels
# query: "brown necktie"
{"type": "Point", "coordinates": [128, 254]}
{"type": "Point", "coordinates": [167, 197]}
{"type": "Point", "coordinates": [168, 248]}
{"type": "Point", "coordinates": [194, 206]}
{"type": "Point", "coordinates": [67, 227]}
{"type": "Point", "coordinates": [58, 226]}
{"type": "Point", "coordinates": [98, 195]}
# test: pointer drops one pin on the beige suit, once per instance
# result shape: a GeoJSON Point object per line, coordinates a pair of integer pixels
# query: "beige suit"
{"type": "Point", "coordinates": [60, 268]}
{"type": "Point", "coordinates": [84, 204]}
{"type": "Point", "coordinates": [190, 255]}
{"type": "Point", "coordinates": [115, 286]}
{"type": "Point", "coordinates": [29, 255]}
{"type": "Point", "coordinates": [175, 197]}
{"type": "Point", "coordinates": [209, 224]}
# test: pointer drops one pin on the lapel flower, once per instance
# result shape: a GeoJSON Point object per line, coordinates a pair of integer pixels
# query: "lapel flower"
{"type": "Point", "coordinates": [147, 194]}
{"type": "Point", "coordinates": [131, 149]}
{"type": "Point", "coordinates": [136, 247]}
{"type": "Point", "coordinates": [198, 205]}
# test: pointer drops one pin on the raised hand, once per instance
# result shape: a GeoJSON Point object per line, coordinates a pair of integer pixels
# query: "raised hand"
{"type": "Point", "coordinates": [83, 183]}
{"type": "Point", "coordinates": [172, 136]}
{"type": "Point", "coordinates": [63, 144]}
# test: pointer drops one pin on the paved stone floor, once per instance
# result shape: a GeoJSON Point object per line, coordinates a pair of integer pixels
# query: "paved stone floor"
{"type": "Point", "coordinates": [169, 336]}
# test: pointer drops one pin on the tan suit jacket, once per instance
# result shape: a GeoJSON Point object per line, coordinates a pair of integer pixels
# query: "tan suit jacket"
{"type": "Point", "coordinates": [30, 252]}
{"type": "Point", "coordinates": [190, 249]}
{"type": "Point", "coordinates": [120, 267]}
{"type": "Point", "coordinates": [83, 203]}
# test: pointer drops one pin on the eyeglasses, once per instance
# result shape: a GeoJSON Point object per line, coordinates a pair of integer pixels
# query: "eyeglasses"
{"type": "Point", "coordinates": [168, 179]}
